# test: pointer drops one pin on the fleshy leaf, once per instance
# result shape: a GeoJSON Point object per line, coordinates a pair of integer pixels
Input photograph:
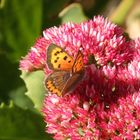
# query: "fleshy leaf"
{"type": "Point", "coordinates": [73, 13]}
{"type": "Point", "coordinates": [20, 99]}
{"type": "Point", "coordinates": [35, 89]}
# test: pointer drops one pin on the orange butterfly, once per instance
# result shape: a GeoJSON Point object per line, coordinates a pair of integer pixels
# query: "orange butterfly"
{"type": "Point", "coordinates": [67, 70]}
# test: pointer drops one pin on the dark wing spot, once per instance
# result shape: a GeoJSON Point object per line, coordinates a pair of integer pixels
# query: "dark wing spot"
{"type": "Point", "coordinates": [49, 87]}
{"type": "Point", "coordinates": [59, 65]}
{"type": "Point", "coordinates": [51, 90]}
{"type": "Point", "coordinates": [69, 61]}
{"type": "Point", "coordinates": [57, 53]}
{"type": "Point", "coordinates": [65, 58]}
{"type": "Point", "coordinates": [55, 61]}
{"type": "Point", "coordinates": [57, 58]}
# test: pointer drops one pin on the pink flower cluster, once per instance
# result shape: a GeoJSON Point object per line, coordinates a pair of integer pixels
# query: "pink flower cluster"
{"type": "Point", "coordinates": [106, 103]}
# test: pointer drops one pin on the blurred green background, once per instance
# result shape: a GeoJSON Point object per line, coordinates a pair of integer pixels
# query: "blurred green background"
{"type": "Point", "coordinates": [21, 23]}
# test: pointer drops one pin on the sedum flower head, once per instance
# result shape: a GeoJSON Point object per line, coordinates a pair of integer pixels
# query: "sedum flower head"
{"type": "Point", "coordinates": [98, 37]}
{"type": "Point", "coordinates": [106, 103]}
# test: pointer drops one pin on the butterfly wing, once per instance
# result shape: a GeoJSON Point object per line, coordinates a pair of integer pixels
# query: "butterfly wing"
{"type": "Point", "coordinates": [72, 82]}
{"type": "Point", "coordinates": [56, 82]}
{"type": "Point", "coordinates": [76, 74]}
{"type": "Point", "coordinates": [67, 71]}
{"type": "Point", "coordinates": [58, 59]}
{"type": "Point", "coordinates": [61, 82]}
{"type": "Point", "coordinates": [78, 65]}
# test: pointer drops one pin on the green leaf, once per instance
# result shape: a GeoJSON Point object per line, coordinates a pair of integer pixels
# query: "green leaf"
{"type": "Point", "coordinates": [35, 88]}
{"type": "Point", "coordinates": [20, 99]}
{"type": "Point", "coordinates": [73, 13]}
{"type": "Point", "coordinates": [20, 26]}
{"type": "Point", "coordinates": [19, 124]}
{"type": "Point", "coordinates": [9, 77]}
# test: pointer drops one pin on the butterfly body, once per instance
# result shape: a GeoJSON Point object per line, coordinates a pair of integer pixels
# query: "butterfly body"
{"type": "Point", "coordinates": [67, 72]}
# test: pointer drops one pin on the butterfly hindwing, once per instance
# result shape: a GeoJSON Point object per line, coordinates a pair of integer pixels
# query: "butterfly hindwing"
{"type": "Point", "coordinates": [56, 81]}
{"type": "Point", "coordinates": [61, 82]}
{"type": "Point", "coordinates": [72, 82]}
{"type": "Point", "coordinates": [58, 59]}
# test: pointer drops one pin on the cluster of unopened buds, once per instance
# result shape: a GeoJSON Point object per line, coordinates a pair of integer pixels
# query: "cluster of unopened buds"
{"type": "Point", "coordinates": [105, 103]}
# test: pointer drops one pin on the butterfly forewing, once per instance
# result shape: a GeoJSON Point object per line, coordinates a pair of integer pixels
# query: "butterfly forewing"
{"type": "Point", "coordinates": [78, 63]}
{"type": "Point", "coordinates": [58, 59]}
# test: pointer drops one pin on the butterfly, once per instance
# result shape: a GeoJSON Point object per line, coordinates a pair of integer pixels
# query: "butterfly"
{"type": "Point", "coordinates": [67, 71]}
